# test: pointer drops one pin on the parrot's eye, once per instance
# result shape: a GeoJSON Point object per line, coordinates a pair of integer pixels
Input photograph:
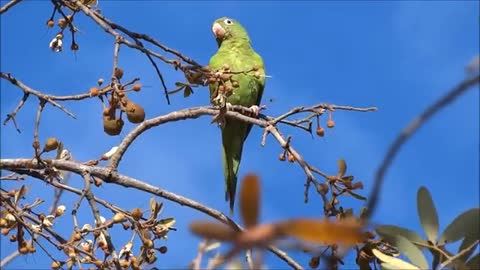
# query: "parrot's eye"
{"type": "Point", "coordinates": [228, 21]}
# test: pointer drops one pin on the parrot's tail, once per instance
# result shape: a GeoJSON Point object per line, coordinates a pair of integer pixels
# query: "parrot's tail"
{"type": "Point", "coordinates": [233, 137]}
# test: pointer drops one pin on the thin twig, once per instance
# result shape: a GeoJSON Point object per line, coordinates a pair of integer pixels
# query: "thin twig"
{"type": "Point", "coordinates": [409, 131]}
{"type": "Point", "coordinates": [9, 5]}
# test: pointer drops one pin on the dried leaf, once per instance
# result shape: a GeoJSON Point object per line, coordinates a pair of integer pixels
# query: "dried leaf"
{"type": "Point", "coordinates": [250, 200]}
{"type": "Point", "coordinates": [155, 208]}
{"type": "Point", "coordinates": [413, 253]}
{"type": "Point", "coordinates": [390, 262]}
{"type": "Point", "coordinates": [20, 193]}
{"type": "Point", "coordinates": [388, 232]}
{"type": "Point", "coordinates": [427, 214]}
{"type": "Point", "coordinates": [90, 2]}
{"type": "Point", "coordinates": [213, 230]}
{"type": "Point", "coordinates": [342, 167]}
{"type": "Point", "coordinates": [346, 231]}
{"type": "Point", "coordinates": [466, 224]}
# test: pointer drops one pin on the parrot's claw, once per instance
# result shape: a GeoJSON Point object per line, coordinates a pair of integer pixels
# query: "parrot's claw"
{"type": "Point", "coordinates": [255, 110]}
{"type": "Point", "coordinates": [220, 117]}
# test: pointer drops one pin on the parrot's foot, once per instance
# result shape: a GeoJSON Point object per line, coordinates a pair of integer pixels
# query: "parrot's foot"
{"type": "Point", "coordinates": [255, 110]}
{"type": "Point", "coordinates": [220, 117]}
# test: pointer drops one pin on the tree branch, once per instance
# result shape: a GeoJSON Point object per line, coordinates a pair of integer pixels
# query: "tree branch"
{"type": "Point", "coordinates": [409, 131]}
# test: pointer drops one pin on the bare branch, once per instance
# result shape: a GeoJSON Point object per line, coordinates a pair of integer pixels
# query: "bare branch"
{"type": "Point", "coordinates": [409, 131]}
{"type": "Point", "coordinates": [9, 5]}
{"type": "Point", "coordinates": [119, 179]}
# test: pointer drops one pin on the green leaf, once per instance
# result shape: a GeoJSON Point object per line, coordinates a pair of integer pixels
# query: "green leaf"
{"type": "Point", "coordinates": [468, 241]}
{"type": "Point", "coordinates": [413, 253]}
{"type": "Point", "coordinates": [466, 224]}
{"type": "Point", "coordinates": [188, 91]}
{"type": "Point", "coordinates": [180, 84]}
{"type": "Point", "coordinates": [357, 196]}
{"type": "Point", "coordinates": [427, 214]}
{"type": "Point", "coordinates": [388, 232]}
{"type": "Point", "coordinates": [393, 263]}
{"type": "Point", "coordinates": [342, 167]}
{"type": "Point", "coordinates": [474, 262]}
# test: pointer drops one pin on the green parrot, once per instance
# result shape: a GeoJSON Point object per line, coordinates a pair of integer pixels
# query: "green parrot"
{"type": "Point", "coordinates": [235, 52]}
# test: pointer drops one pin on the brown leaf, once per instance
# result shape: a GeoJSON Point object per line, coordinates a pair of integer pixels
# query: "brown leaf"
{"type": "Point", "coordinates": [212, 230]}
{"type": "Point", "coordinates": [342, 167]}
{"type": "Point", "coordinates": [323, 231]}
{"type": "Point", "coordinates": [250, 200]}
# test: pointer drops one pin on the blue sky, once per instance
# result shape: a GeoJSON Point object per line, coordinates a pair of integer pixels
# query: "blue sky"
{"type": "Point", "coordinates": [398, 56]}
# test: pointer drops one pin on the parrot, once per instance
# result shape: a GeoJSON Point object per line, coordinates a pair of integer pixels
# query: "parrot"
{"type": "Point", "coordinates": [235, 52]}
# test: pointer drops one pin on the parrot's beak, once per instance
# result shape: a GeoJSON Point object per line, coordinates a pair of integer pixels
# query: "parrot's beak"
{"type": "Point", "coordinates": [218, 31]}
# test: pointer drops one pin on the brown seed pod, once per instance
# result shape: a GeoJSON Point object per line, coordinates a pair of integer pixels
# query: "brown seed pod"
{"type": "Point", "coordinates": [51, 144]}
{"type": "Point", "coordinates": [74, 47]}
{"type": "Point", "coordinates": [135, 112]}
{"type": "Point", "coordinates": [330, 123]}
{"type": "Point", "coordinates": [50, 23]}
{"type": "Point", "coordinates": [235, 84]}
{"type": "Point", "coordinates": [137, 214]}
{"type": "Point", "coordinates": [320, 131]}
{"type": "Point", "coordinates": [137, 87]}
{"type": "Point", "coordinates": [94, 91]}
{"type": "Point", "coordinates": [36, 144]}
{"type": "Point", "coordinates": [322, 188]}
{"type": "Point", "coordinates": [225, 76]}
{"type": "Point", "coordinates": [76, 236]}
{"type": "Point", "coordinates": [112, 126]}
{"type": "Point", "coordinates": [118, 73]}
{"type": "Point", "coordinates": [163, 249]}
{"type": "Point", "coordinates": [314, 262]}
{"type": "Point", "coordinates": [291, 157]}
{"type": "Point", "coordinates": [23, 250]}
{"type": "Point", "coordinates": [62, 23]}
{"type": "Point", "coordinates": [282, 157]}
{"type": "Point", "coordinates": [56, 265]}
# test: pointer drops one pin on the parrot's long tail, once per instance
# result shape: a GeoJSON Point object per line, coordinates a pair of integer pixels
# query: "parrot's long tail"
{"type": "Point", "coordinates": [233, 136]}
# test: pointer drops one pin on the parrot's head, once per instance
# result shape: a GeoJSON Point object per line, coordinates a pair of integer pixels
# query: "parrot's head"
{"type": "Point", "coordinates": [228, 29]}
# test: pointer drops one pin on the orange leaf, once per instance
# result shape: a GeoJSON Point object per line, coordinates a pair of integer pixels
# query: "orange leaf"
{"type": "Point", "coordinates": [213, 230]}
{"type": "Point", "coordinates": [323, 231]}
{"type": "Point", "coordinates": [250, 200]}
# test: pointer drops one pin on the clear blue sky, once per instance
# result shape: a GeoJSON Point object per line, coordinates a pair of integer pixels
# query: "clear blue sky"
{"type": "Point", "coordinates": [398, 56]}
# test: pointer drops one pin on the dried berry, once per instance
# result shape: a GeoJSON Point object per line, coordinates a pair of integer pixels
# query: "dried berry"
{"type": "Point", "coordinates": [282, 157]}
{"type": "Point", "coordinates": [291, 158]}
{"type": "Point", "coordinates": [74, 47]}
{"type": "Point", "coordinates": [50, 23]}
{"type": "Point", "coordinates": [118, 73]}
{"type": "Point", "coordinates": [320, 131]}
{"type": "Point", "coordinates": [94, 91]}
{"type": "Point", "coordinates": [137, 87]}
{"type": "Point", "coordinates": [330, 123]}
